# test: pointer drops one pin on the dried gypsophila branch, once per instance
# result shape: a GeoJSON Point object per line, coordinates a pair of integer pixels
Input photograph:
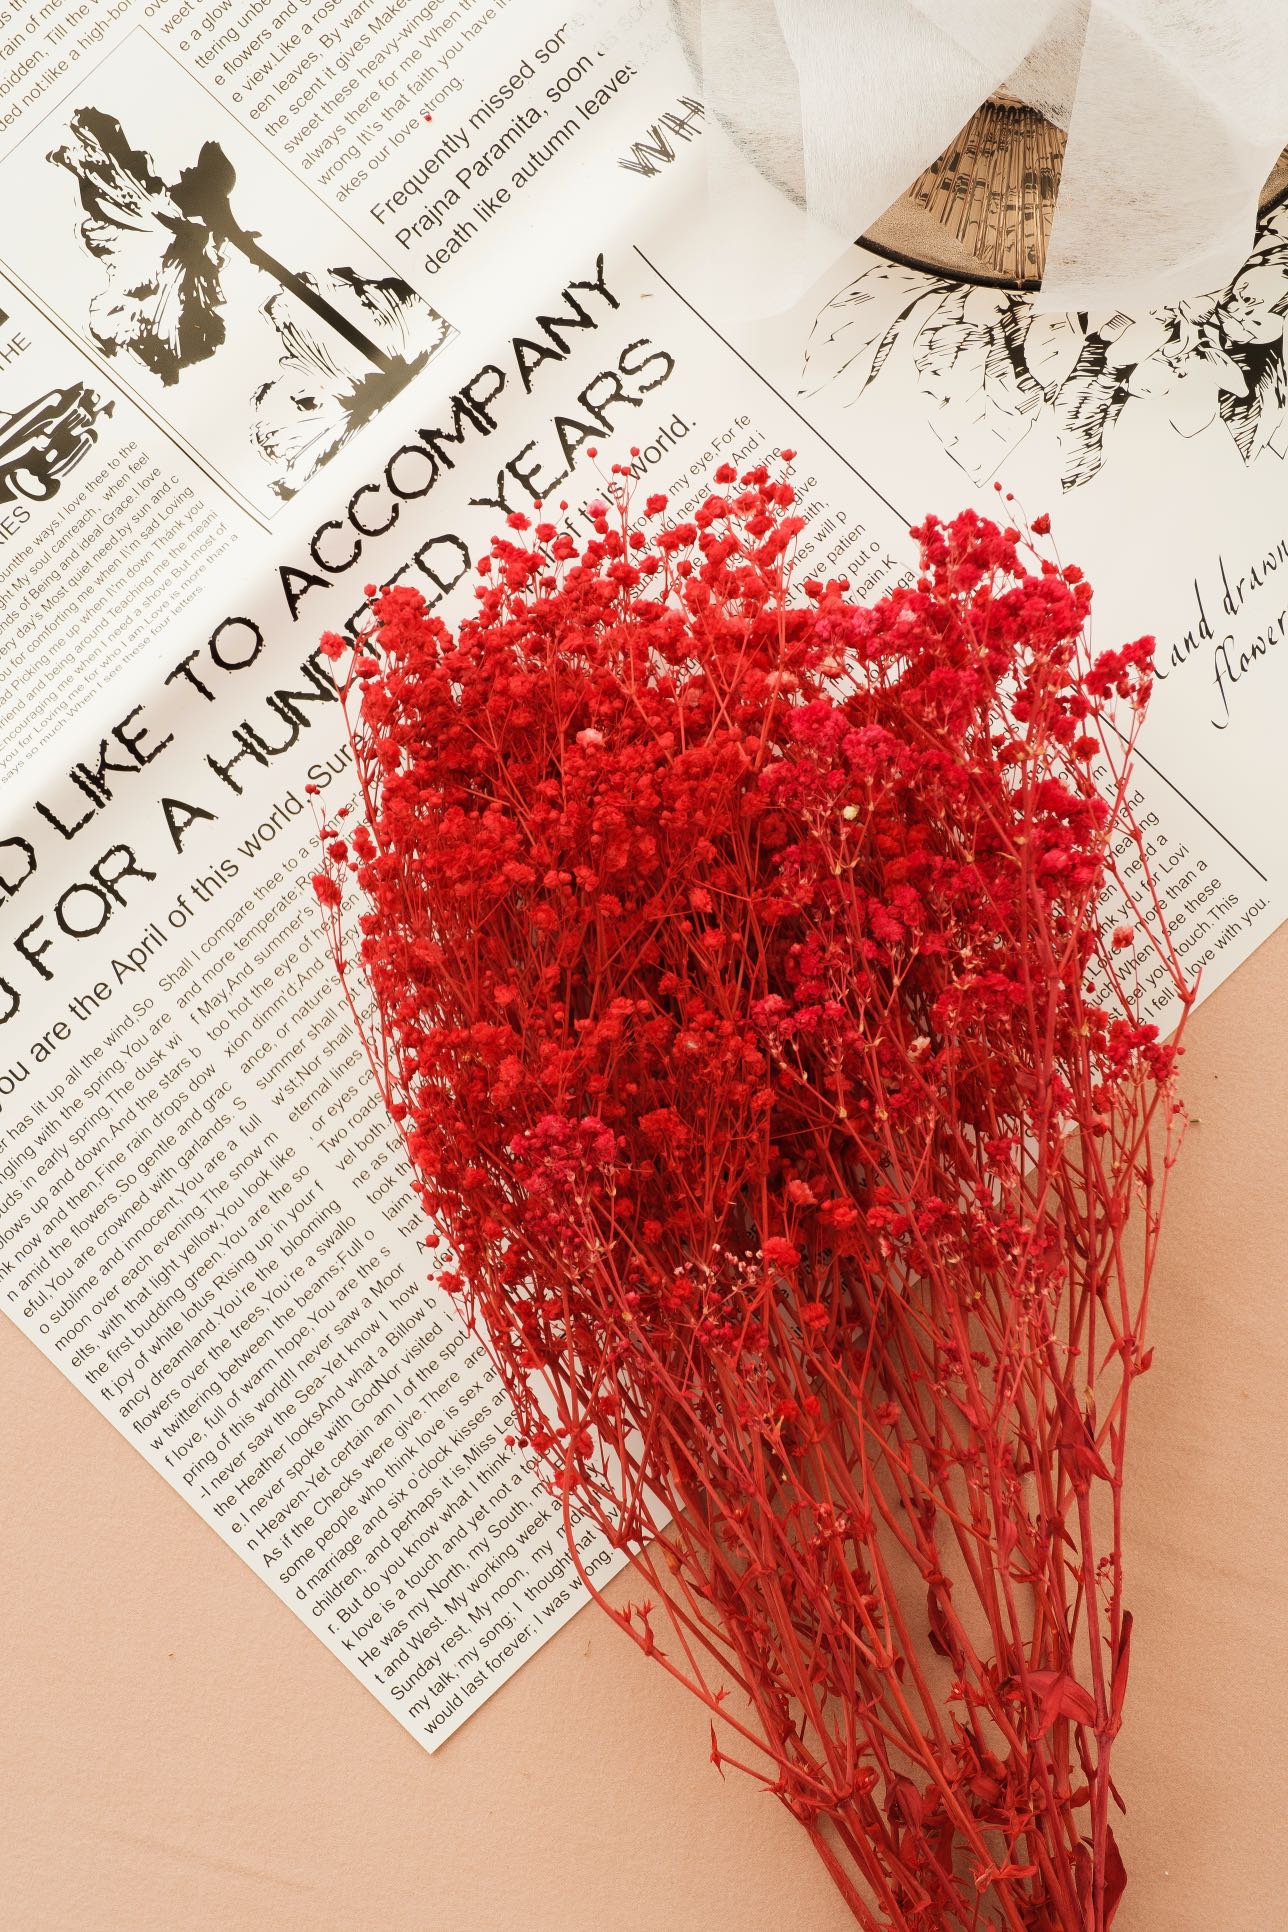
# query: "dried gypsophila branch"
{"type": "Point", "coordinates": [742, 1002]}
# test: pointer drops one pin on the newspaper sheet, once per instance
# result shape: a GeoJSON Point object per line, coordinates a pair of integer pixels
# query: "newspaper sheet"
{"type": "Point", "coordinates": [300, 298]}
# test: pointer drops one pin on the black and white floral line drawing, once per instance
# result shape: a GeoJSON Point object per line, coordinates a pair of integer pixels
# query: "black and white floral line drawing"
{"type": "Point", "coordinates": [326, 388]}
{"type": "Point", "coordinates": [346, 341]}
{"type": "Point", "coordinates": [988, 368]}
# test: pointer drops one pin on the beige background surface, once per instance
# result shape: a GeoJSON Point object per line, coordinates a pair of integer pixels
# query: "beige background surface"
{"type": "Point", "coordinates": [180, 1754]}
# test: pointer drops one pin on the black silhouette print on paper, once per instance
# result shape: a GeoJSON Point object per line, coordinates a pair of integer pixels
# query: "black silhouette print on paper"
{"type": "Point", "coordinates": [987, 369]}
{"type": "Point", "coordinates": [44, 439]}
{"type": "Point", "coordinates": [346, 343]}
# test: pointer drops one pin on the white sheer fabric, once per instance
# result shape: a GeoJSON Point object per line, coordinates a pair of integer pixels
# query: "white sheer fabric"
{"type": "Point", "coordinates": [1176, 111]}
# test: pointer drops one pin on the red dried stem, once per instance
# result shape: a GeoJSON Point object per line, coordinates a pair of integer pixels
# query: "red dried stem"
{"type": "Point", "coordinates": [739, 989]}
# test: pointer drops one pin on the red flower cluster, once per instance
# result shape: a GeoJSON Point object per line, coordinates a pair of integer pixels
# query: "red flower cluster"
{"type": "Point", "coordinates": [740, 994]}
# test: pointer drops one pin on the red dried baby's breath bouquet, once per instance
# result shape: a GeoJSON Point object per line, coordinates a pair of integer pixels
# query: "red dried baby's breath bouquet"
{"type": "Point", "coordinates": [740, 993]}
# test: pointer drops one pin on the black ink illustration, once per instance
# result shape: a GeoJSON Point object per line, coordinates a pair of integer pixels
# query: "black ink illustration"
{"type": "Point", "coordinates": [328, 387]}
{"type": "Point", "coordinates": [346, 343]}
{"type": "Point", "coordinates": [41, 442]}
{"type": "Point", "coordinates": [987, 368]}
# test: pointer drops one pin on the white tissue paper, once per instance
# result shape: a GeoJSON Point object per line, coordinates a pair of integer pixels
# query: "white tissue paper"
{"type": "Point", "coordinates": [1176, 113]}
